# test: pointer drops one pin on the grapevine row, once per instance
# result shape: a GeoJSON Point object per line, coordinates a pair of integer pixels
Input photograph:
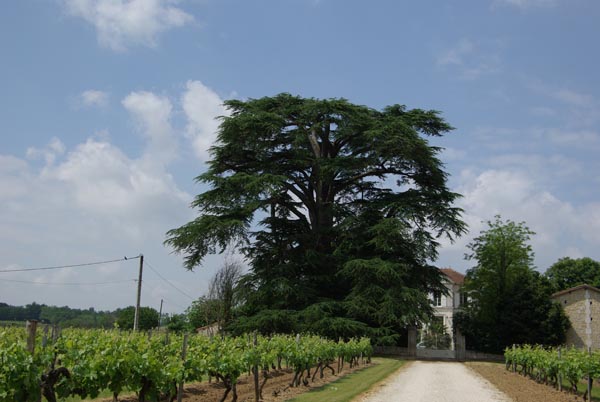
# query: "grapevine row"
{"type": "Point", "coordinates": [86, 362]}
{"type": "Point", "coordinates": [552, 365]}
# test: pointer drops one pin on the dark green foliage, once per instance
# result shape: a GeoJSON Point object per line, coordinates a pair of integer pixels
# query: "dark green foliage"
{"type": "Point", "coordinates": [509, 302]}
{"type": "Point", "coordinates": [148, 318]}
{"type": "Point", "coordinates": [337, 207]}
{"type": "Point", "coordinates": [266, 322]}
{"type": "Point", "coordinates": [178, 323]}
{"type": "Point", "coordinates": [568, 272]}
{"type": "Point", "coordinates": [203, 312]}
{"type": "Point", "coordinates": [63, 316]}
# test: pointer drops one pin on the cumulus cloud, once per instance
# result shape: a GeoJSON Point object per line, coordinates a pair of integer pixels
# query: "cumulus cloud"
{"type": "Point", "coordinates": [54, 148]}
{"type": "Point", "coordinates": [562, 228]}
{"type": "Point", "coordinates": [90, 202]}
{"type": "Point", "coordinates": [94, 201]}
{"type": "Point", "coordinates": [94, 97]}
{"type": "Point", "coordinates": [202, 107]}
{"type": "Point", "coordinates": [122, 23]}
{"type": "Point", "coordinates": [152, 114]}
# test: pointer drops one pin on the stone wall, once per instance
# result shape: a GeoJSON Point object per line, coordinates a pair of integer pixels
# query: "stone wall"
{"type": "Point", "coordinates": [582, 306]}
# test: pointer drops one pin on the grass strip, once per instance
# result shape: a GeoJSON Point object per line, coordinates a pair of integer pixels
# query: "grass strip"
{"type": "Point", "coordinates": [348, 387]}
{"type": "Point", "coordinates": [582, 388]}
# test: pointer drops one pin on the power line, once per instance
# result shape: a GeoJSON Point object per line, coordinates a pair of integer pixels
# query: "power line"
{"type": "Point", "coordinates": [67, 283]}
{"type": "Point", "coordinates": [167, 281]}
{"type": "Point", "coordinates": [176, 304]}
{"type": "Point", "coordinates": [87, 264]}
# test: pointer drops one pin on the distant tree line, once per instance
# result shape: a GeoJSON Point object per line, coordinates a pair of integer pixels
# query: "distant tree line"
{"type": "Point", "coordinates": [80, 318]}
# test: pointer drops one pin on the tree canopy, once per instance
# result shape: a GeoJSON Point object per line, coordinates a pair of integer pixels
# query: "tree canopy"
{"type": "Point", "coordinates": [149, 318]}
{"type": "Point", "coordinates": [337, 207]}
{"type": "Point", "coordinates": [508, 301]}
{"type": "Point", "coordinates": [568, 272]}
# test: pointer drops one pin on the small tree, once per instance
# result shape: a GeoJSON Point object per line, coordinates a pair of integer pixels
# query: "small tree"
{"type": "Point", "coordinates": [509, 302]}
{"type": "Point", "coordinates": [217, 306]}
{"type": "Point", "coordinates": [203, 312]}
{"type": "Point", "coordinates": [148, 318]}
{"type": "Point", "coordinates": [223, 289]}
{"type": "Point", "coordinates": [177, 323]}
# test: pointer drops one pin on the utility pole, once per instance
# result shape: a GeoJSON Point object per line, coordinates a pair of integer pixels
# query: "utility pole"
{"type": "Point", "coordinates": [136, 318]}
{"type": "Point", "coordinates": [160, 314]}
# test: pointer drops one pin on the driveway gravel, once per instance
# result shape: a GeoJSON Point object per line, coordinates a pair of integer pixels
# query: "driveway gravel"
{"type": "Point", "coordinates": [420, 381]}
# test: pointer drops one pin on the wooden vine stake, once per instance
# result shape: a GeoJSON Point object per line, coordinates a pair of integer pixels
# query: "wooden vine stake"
{"type": "Point", "coordinates": [514, 364]}
{"type": "Point", "coordinates": [183, 353]}
{"type": "Point", "coordinates": [31, 327]}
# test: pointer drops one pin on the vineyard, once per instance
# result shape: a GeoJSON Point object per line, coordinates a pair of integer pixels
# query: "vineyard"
{"type": "Point", "coordinates": [552, 366]}
{"type": "Point", "coordinates": [85, 362]}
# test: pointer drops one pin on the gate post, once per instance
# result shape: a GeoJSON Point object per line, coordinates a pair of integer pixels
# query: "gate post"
{"type": "Point", "coordinates": [461, 347]}
{"type": "Point", "coordinates": [412, 342]}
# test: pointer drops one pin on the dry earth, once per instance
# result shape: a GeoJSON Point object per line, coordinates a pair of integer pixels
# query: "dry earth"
{"type": "Point", "coordinates": [519, 388]}
{"type": "Point", "coordinates": [276, 388]}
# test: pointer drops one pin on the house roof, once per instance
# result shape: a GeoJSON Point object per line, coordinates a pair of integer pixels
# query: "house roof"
{"type": "Point", "coordinates": [575, 289]}
{"type": "Point", "coordinates": [454, 276]}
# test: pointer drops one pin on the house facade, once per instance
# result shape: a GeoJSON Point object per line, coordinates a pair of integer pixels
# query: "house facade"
{"type": "Point", "coordinates": [446, 305]}
{"type": "Point", "coordinates": [582, 305]}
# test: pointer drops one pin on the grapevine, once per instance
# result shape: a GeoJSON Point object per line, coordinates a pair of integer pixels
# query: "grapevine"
{"type": "Point", "coordinates": [86, 362]}
{"type": "Point", "coordinates": [549, 365]}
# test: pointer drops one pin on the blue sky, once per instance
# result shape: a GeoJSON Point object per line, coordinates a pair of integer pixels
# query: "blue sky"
{"type": "Point", "coordinates": [107, 108]}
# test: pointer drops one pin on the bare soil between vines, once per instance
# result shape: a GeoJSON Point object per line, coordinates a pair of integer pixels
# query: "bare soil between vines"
{"type": "Point", "coordinates": [276, 389]}
{"type": "Point", "coordinates": [518, 387]}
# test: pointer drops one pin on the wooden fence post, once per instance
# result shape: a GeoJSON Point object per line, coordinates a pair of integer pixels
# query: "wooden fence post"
{"type": "Point", "coordinates": [514, 364]}
{"type": "Point", "coordinates": [45, 337]}
{"type": "Point", "coordinates": [31, 327]}
{"type": "Point", "coordinates": [183, 353]}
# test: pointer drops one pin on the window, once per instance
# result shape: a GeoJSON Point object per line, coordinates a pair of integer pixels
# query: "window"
{"type": "Point", "coordinates": [437, 299]}
{"type": "Point", "coordinates": [462, 299]}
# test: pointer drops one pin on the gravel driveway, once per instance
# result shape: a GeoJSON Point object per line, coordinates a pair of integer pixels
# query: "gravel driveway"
{"type": "Point", "coordinates": [435, 382]}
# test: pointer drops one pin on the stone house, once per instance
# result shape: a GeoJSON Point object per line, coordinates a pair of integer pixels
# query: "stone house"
{"type": "Point", "coordinates": [582, 305]}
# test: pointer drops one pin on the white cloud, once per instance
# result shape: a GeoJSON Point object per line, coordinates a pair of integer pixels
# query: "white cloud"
{"type": "Point", "coordinates": [202, 106]}
{"type": "Point", "coordinates": [122, 23]}
{"type": "Point", "coordinates": [54, 148]}
{"type": "Point", "coordinates": [93, 97]}
{"type": "Point", "coordinates": [152, 114]}
{"type": "Point", "coordinates": [562, 229]}
{"type": "Point", "coordinates": [472, 59]}
{"type": "Point", "coordinates": [92, 201]}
